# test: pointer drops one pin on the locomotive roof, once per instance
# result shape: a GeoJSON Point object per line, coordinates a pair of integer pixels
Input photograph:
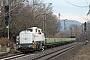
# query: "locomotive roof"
{"type": "Point", "coordinates": [34, 28]}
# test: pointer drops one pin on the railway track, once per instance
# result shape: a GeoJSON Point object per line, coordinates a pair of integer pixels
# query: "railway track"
{"type": "Point", "coordinates": [42, 56]}
{"type": "Point", "coordinates": [52, 55]}
{"type": "Point", "coordinates": [14, 56]}
{"type": "Point", "coordinates": [11, 56]}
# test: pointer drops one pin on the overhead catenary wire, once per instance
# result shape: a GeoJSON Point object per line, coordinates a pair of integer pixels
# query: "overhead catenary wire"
{"type": "Point", "coordinates": [76, 5]}
{"type": "Point", "coordinates": [89, 7]}
{"type": "Point", "coordinates": [87, 2]}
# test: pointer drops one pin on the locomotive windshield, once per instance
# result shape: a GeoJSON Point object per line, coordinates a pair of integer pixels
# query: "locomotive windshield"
{"type": "Point", "coordinates": [30, 30]}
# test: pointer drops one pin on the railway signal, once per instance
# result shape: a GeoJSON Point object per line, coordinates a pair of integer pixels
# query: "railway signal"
{"type": "Point", "coordinates": [6, 8]}
{"type": "Point", "coordinates": [85, 27]}
{"type": "Point", "coordinates": [7, 17]}
{"type": "Point", "coordinates": [6, 14]}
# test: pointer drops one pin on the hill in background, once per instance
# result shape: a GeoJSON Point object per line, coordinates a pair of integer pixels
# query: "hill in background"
{"type": "Point", "coordinates": [68, 23]}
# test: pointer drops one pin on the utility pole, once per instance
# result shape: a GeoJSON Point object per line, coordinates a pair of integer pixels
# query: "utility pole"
{"type": "Point", "coordinates": [33, 9]}
{"type": "Point", "coordinates": [44, 16]}
{"type": "Point", "coordinates": [44, 21]}
{"type": "Point", "coordinates": [59, 20]}
{"type": "Point", "coordinates": [71, 31]}
{"type": "Point", "coordinates": [59, 16]}
{"type": "Point", "coordinates": [65, 27]}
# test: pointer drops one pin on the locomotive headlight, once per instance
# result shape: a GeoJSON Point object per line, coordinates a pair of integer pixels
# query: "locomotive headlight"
{"type": "Point", "coordinates": [19, 46]}
{"type": "Point", "coordinates": [29, 46]}
{"type": "Point", "coordinates": [33, 46]}
{"type": "Point", "coordinates": [17, 43]}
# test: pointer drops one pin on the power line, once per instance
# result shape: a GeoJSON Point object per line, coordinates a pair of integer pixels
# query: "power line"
{"type": "Point", "coordinates": [87, 2]}
{"type": "Point", "coordinates": [88, 11]}
{"type": "Point", "coordinates": [75, 5]}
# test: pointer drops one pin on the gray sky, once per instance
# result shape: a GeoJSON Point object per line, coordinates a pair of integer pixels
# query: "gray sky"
{"type": "Point", "coordinates": [71, 9]}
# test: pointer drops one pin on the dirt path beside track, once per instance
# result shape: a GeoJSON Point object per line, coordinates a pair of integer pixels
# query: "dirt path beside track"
{"type": "Point", "coordinates": [83, 54]}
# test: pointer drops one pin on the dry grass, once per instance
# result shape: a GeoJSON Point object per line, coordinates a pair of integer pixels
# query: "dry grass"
{"type": "Point", "coordinates": [4, 42]}
{"type": "Point", "coordinates": [3, 49]}
{"type": "Point", "coordinates": [83, 54]}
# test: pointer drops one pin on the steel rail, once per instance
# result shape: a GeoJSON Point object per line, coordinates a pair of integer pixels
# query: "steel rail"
{"type": "Point", "coordinates": [55, 53]}
{"type": "Point", "coordinates": [8, 57]}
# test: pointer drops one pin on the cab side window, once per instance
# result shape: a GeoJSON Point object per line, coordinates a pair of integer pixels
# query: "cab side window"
{"type": "Point", "coordinates": [39, 32]}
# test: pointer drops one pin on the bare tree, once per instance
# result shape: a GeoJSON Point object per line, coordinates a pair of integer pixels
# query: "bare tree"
{"type": "Point", "coordinates": [25, 14]}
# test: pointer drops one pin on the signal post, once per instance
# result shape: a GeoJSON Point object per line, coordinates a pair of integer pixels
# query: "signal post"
{"type": "Point", "coordinates": [7, 15]}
